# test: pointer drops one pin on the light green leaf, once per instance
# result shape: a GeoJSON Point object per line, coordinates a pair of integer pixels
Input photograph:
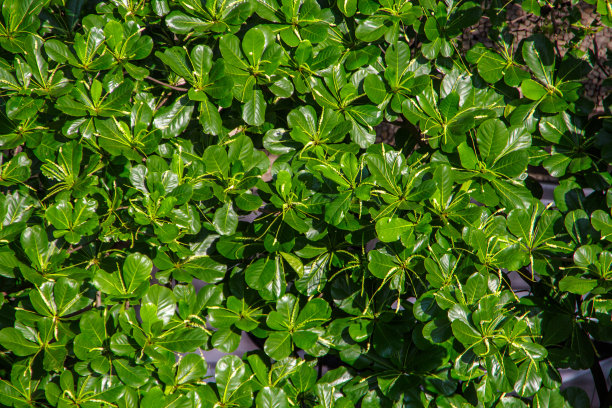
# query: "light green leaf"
{"type": "Point", "coordinates": [390, 229]}
{"type": "Point", "coordinates": [225, 220]}
{"type": "Point", "coordinates": [577, 285]}
{"type": "Point", "coordinates": [269, 397]}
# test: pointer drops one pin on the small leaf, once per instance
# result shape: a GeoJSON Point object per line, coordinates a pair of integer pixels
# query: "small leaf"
{"type": "Point", "coordinates": [192, 367]}
{"type": "Point", "coordinates": [347, 7]}
{"type": "Point", "coordinates": [533, 90]}
{"type": "Point", "coordinates": [173, 120]}
{"type": "Point", "coordinates": [137, 269]}
{"type": "Point", "coordinates": [225, 220]}
{"type": "Point", "coordinates": [374, 87]}
{"type": "Point", "coordinates": [272, 398]}
{"type": "Point", "coordinates": [254, 109]}
{"type": "Point", "coordinates": [278, 345]}
{"type": "Point", "coordinates": [390, 229]}
{"type": "Point", "coordinates": [133, 376]}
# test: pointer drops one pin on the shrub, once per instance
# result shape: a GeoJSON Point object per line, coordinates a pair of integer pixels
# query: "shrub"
{"type": "Point", "coordinates": [136, 143]}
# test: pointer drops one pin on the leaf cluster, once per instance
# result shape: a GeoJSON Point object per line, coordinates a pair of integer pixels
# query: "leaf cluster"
{"type": "Point", "coordinates": [151, 147]}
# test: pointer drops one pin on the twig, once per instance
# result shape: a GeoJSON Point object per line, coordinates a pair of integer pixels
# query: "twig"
{"type": "Point", "coordinates": [157, 81]}
{"type": "Point", "coordinates": [163, 101]}
{"type": "Point", "coordinates": [235, 131]}
{"type": "Point", "coordinates": [519, 19]}
{"type": "Point", "coordinates": [71, 250]}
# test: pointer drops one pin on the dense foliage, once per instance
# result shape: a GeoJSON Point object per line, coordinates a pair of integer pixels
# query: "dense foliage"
{"type": "Point", "coordinates": [137, 137]}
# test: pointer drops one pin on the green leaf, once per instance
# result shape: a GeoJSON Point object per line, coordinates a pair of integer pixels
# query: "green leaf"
{"type": "Point", "coordinates": [10, 395]}
{"type": "Point", "coordinates": [253, 44]}
{"type": "Point", "coordinates": [16, 170]}
{"type": "Point", "coordinates": [467, 156]}
{"type": "Point", "coordinates": [216, 161]}
{"type": "Point", "coordinates": [269, 397]}
{"type": "Point", "coordinates": [191, 367]}
{"type": "Point", "coordinates": [314, 278]}
{"type": "Point", "coordinates": [248, 202]}
{"type": "Point", "coordinates": [136, 270]}
{"type": "Point", "coordinates": [602, 222]}
{"type": "Point", "coordinates": [465, 334]}
{"type": "Point", "coordinates": [12, 340]}
{"type": "Point", "coordinates": [374, 87]}
{"type": "Point", "coordinates": [548, 398]}
{"type": "Point", "coordinates": [266, 275]}
{"type": "Point", "coordinates": [35, 244]}
{"type": "Point", "coordinates": [73, 222]}
{"type": "Point", "coordinates": [335, 212]}
{"type": "Point", "coordinates": [390, 229]}
{"type": "Point", "coordinates": [533, 90]}
{"type": "Point", "coordinates": [579, 286]}
{"type": "Point", "coordinates": [514, 75]}
{"type": "Point", "coordinates": [210, 118]}
{"type": "Point", "coordinates": [529, 379]}
{"type": "Point", "coordinates": [492, 137]}
{"type": "Point", "coordinates": [347, 7]}
{"type": "Point", "coordinates": [160, 7]}
{"type": "Point", "coordinates": [229, 376]}
{"type": "Point", "coordinates": [174, 119]}
{"type": "Point", "coordinates": [381, 264]}
{"type": "Point", "coordinates": [183, 341]}
{"type": "Point", "coordinates": [133, 376]}
{"type": "Point", "coordinates": [176, 59]}
{"type": "Point", "coordinates": [278, 345]}
{"type": "Point", "coordinates": [131, 281]}
{"type": "Point", "coordinates": [371, 29]}
{"type": "Point", "coordinates": [539, 55]}
{"type": "Point", "coordinates": [181, 23]}
{"type": "Point", "coordinates": [254, 109]}
{"type": "Point", "coordinates": [226, 340]}
{"type": "Point", "coordinates": [225, 220]}
{"type": "Point", "coordinates": [491, 67]}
